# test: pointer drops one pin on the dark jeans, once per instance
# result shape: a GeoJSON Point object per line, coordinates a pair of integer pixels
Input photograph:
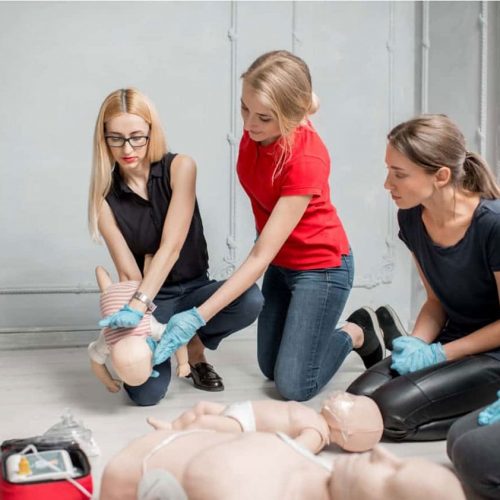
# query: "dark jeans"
{"type": "Point", "coordinates": [422, 405]}
{"type": "Point", "coordinates": [474, 451]}
{"type": "Point", "coordinates": [182, 296]}
{"type": "Point", "coordinates": [297, 344]}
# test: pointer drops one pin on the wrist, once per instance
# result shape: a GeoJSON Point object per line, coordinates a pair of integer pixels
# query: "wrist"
{"type": "Point", "coordinates": [130, 309]}
{"type": "Point", "coordinates": [146, 303]}
{"type": "Point", "coordinates": [203, 313]}
{"type": "Point", "coordinates": [137, 305]}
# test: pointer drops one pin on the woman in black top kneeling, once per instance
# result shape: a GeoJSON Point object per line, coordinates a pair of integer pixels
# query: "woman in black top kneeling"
{"type": "Point", "coordinates": [142, 201]}
{"type": "Point", "coordinates": [449, 218]}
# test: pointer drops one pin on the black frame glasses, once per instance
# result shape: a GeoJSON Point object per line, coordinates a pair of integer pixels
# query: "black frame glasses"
{"type": "Point", "coordinates": [114, 141]}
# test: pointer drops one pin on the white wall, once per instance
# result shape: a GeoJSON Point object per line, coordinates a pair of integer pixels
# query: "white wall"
{"type": "Point", "coordinates": [463, 60]}
{"type": "Point", "coordinates": [60, 59]}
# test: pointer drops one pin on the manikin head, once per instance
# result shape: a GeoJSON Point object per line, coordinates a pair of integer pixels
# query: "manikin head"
{"type": "Point", "coordinates": [131, 358]}
{"type": "Point", "coordinates": [355, 422]}
{"type": "Point", "coordinates": [379, 474]}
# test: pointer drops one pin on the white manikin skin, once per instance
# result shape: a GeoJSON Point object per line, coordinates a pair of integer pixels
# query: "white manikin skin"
{"type": "Point", "coordinates": [352, 422]}
{"type": "Point", "coordinates": [131, 357]}
{"type": "Point", "coordinates": [213, 465]}
{"type": "Point", "coordinates": [355, 422]}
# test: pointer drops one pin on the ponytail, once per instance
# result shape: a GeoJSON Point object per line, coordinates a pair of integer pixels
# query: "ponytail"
{"type": "Point", "coordinates": [478, 177]}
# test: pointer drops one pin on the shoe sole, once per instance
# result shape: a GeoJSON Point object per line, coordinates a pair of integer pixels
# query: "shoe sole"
{"type": "Point", "coordinates": [377, 328]}
{"type": "Point", "coordinates": [397, 321]}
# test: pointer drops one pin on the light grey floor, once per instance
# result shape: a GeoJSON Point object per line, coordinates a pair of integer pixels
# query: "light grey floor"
{"type": "Point", "coordinates": [37, 385]}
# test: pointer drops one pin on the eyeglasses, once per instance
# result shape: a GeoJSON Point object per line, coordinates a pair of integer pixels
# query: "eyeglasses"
{"type": "Point", "coordinates": [136, 141]}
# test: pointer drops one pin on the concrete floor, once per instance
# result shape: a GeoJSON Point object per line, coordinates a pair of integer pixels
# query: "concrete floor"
{"type": "Point", "coordinates": [38, 384]}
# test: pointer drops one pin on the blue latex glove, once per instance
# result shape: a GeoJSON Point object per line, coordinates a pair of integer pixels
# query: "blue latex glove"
{"type": "Point", "coordinates": [126, 317]}
{"type": "Point", "coordinates": [152, 345]}
{"type": "Point", "coordinates": [491, 413]}
{"type": "Point", "coordinates": [180, 329]}
{"type": "Point", "coordinates": [411, 354]}
{"type": "Point", "coordinates": [407, 344]}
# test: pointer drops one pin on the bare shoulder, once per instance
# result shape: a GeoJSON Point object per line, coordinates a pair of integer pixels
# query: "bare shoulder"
{"type": "Point", "coordinates": [184, 162]}
{"type": "Point", "coordinates": [183, 172]}
{"type": "Point", "coordinates": [105, 215]}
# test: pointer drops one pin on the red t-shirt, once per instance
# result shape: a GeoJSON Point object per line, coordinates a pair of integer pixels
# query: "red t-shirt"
{"type": "Point", "coordinates": [319, 240]}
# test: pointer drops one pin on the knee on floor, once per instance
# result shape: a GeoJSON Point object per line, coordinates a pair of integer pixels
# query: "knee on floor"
{"type": "Point", "coordinates": [294, 391]}
{"type": "Point", "coordinates": [149, 398]}
{"type": "Point", "coordinates": [252, 303]}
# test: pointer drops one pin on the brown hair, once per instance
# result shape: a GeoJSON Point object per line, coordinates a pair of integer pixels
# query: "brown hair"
{"type": "Point", "coordinates": [433, 142]}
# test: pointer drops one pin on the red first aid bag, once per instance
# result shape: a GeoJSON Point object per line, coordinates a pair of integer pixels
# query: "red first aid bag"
{"type": "Point", "coordinates": [43, 483]}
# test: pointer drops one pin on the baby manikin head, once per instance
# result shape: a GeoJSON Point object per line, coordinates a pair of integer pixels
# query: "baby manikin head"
{"type": "Point", "coordinates": [355, 422]}
{"type": "Point", "coordinates": [131, 358]}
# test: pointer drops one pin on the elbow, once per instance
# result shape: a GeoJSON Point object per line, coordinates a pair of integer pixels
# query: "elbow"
{"type": "Point", "coordinates": [169, 251]}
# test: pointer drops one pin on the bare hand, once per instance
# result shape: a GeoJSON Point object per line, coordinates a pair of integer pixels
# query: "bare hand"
{"type": "Point", "coordinates": [114, 386]}
{"type": "Point", "coordinates": [159, 424]}
{"type": "Point", "coordinates": [183, 370]}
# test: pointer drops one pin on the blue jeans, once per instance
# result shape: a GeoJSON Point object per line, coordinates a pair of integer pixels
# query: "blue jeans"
{"type": "Point", "coordinates": [297, 344]}
{"type": "Point", "coordinates": [179, 297]}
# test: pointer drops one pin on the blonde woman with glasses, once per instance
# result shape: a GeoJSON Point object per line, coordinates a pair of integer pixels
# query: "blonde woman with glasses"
{"type": "Point", "coordinates": [143, 203]}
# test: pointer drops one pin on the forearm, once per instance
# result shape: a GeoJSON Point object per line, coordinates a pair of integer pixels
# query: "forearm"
{"type": "Point", "coordinates": [430, 321]}
{"type": "Point", "coordinates": [181, 355]}
{"type": "Point", "coordinates": [241, 280]}
{"type": "Point", "coordinates": [156, 273]}
{"type": "Point", "coordinates": [102, 373]}
{"type": "Point", "coordinates": [482, 340]}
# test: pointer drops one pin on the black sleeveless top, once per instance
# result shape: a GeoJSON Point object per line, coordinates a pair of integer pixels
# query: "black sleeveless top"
{"type": "Point", "coordinates": [141, 222]}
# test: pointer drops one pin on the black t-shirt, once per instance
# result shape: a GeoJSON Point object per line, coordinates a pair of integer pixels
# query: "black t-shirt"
{"type": "Point", "coordinates": [461, 275]}
{"type": "Point", "coordinates": [141, 222]}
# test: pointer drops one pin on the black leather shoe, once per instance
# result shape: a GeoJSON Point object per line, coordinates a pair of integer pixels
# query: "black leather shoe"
{"type": "Point", "coordinates": [390, 324]}
{"type": "Point", "coordinates": [373, 349]}
{"type": "Point", "coordinates": [205, 377]}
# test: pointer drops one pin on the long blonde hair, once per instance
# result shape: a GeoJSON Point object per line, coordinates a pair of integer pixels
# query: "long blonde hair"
{"type": "Point", "coordinates": [128, 100]}
{"type": "Point", "coordinates": [283, 81]}
{"type": "Point", "coordinates": [434, 141]}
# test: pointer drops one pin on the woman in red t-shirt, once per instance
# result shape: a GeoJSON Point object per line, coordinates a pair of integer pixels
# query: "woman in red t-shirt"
{"type": "Point", "coordinates": [302, 248]}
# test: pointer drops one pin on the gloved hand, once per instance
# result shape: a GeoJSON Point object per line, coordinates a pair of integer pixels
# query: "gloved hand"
{"type": "Point", "coordinates": [126, 317]}
{"type": "Point", "coordinates": [491, 413]}
{"type": "Point", "coordinates": [410, 354]}
{"type": "Point", "coordinates": [408, 344]}
{"type": "Point", "coordinates": [180, 329]}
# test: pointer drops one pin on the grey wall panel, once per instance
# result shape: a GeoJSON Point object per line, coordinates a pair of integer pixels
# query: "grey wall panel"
{"type": "Point", "coordinates": [458, 60]}
{"type": "Point", "coordinates": [493, 144]}
{"type": "Point", "coordinates": [61, 59]}
{"type": "Point", "coordinates": [365, 83]}
{"type": "Point", "coordinates": [455, 64]}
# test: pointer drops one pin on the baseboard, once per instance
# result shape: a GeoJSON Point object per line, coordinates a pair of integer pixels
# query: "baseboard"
{"type": "Point", "coordinates": [60, 337]}
{"type": "Point", "coordinates": [46, 338]}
